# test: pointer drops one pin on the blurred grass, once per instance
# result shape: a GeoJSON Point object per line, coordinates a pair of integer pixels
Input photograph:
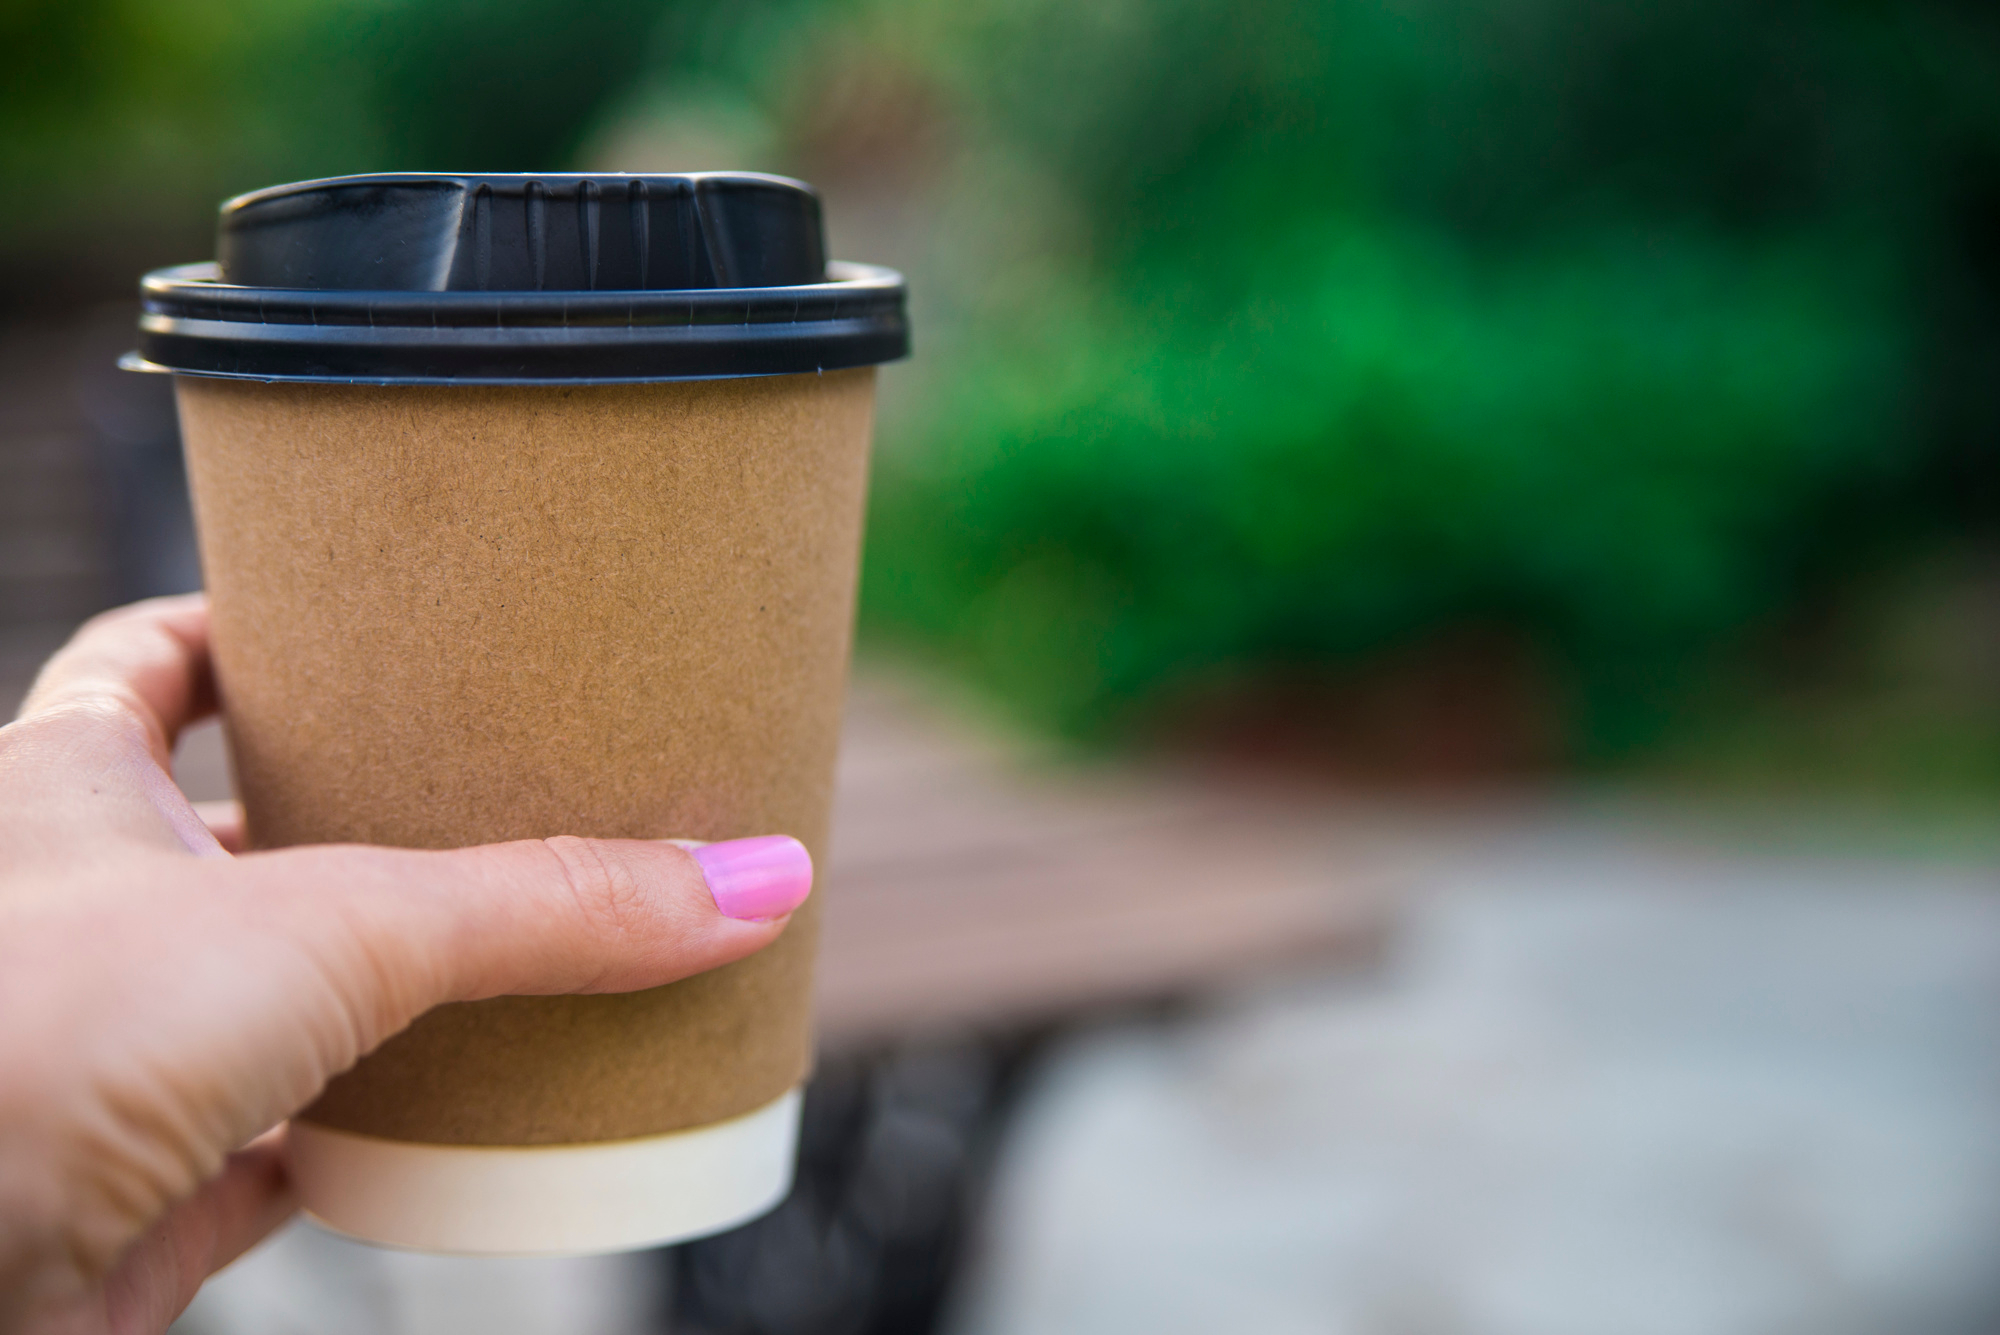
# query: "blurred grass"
{"type": "Point", "coordinates": [1256, 341]}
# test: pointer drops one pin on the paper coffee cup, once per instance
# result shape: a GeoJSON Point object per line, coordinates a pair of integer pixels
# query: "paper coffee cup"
{"type": "Point", "coordinates": [499, 564]}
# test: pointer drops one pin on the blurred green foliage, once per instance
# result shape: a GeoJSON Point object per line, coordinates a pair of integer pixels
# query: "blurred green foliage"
{"type": "Point", "coordinates": [1620, 325]}
{"type": "Point", "coordinates": [1614, 448]}
{"type": "Point", "coordinates": [127, 121]}
{"type": "Point", "coordinates": [1252, 335]}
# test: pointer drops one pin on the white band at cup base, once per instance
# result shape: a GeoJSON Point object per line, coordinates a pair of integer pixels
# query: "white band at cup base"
{"type": "Point", "coordinates": [548, 1200]}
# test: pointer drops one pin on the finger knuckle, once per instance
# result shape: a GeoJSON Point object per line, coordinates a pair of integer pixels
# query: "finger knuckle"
{"type": "Point", "coordinates": [605, 887]}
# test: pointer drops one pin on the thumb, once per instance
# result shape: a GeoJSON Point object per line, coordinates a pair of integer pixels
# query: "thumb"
{"type": "Point", "coordinates": [395, 932]}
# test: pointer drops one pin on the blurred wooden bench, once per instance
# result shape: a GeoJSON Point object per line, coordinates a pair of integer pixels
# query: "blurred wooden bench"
{"type": "Point", "coordinates": [974, 883]}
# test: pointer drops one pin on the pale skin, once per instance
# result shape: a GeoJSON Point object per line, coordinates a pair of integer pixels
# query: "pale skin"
{"type": "Point", "coordinates": [167, 1000]}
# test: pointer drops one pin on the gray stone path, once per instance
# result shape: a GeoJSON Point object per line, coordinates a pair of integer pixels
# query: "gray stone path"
{"type": "Point", "coordinates": [1607, 1083]}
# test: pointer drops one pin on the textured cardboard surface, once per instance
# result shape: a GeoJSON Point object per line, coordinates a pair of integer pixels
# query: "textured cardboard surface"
{"type": "Point", "coordinates": [453, 615]}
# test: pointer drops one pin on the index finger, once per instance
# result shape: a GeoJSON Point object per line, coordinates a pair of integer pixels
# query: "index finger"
{"type": "Point", "coordinates": [85, 769]}
{"type": "Point", "coordinates": [149, 660]}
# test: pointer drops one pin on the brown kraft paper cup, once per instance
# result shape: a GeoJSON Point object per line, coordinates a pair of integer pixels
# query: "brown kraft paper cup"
{"type": "Point", "coordinates": [530, 505]}
{"type": "Point", "coordinates": [451, 615]}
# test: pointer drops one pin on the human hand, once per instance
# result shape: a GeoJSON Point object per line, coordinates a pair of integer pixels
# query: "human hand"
{"type": "Point", "coordinates": [164, 1005]}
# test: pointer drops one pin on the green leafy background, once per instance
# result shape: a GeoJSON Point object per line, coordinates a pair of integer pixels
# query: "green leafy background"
{"type": "Point", "coordinates": [1657, 341]}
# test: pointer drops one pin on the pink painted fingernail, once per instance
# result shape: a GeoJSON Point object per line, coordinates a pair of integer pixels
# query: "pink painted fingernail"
{"type": "Point", "coordinates": [756, 879]}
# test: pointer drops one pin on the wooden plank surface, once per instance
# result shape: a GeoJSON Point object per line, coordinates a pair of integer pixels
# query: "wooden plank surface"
{"type": "Point", "coordinates": [977, 882]}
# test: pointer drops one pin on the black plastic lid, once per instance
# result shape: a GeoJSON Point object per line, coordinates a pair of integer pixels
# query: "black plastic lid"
{"type": "Point", "coordinates": [447, 279]}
